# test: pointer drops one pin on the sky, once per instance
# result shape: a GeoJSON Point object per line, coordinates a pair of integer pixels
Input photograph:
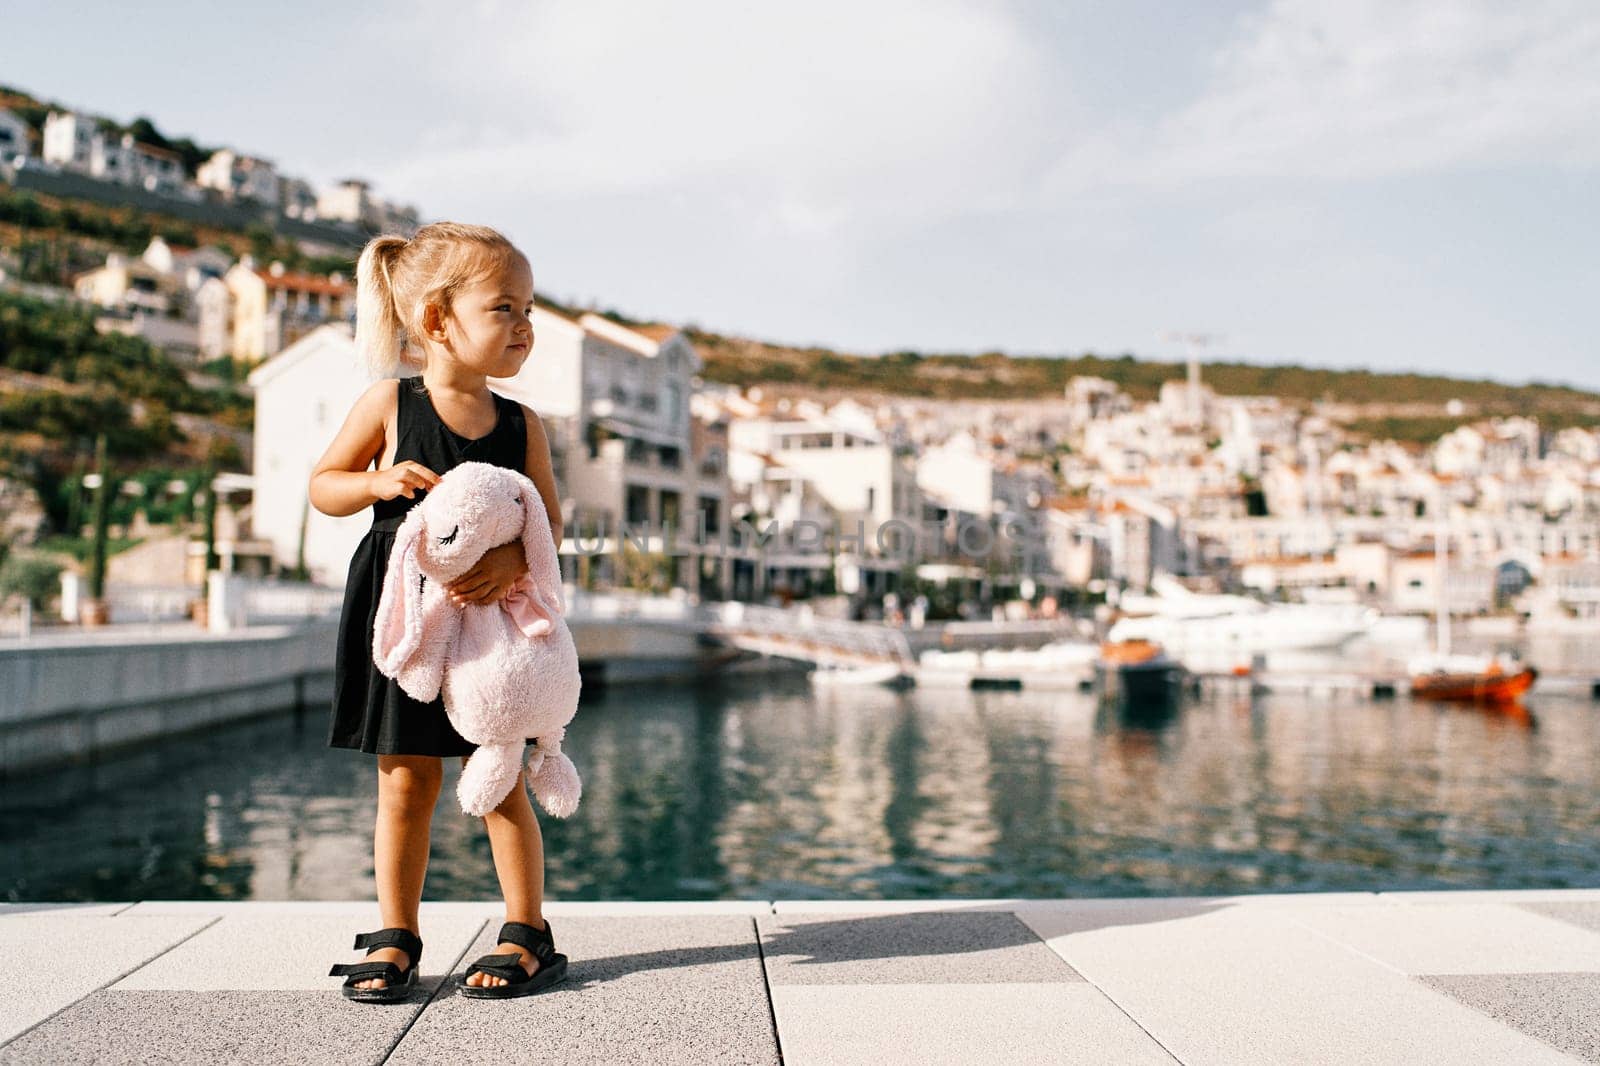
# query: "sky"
{"type": "Point", "coordinates": [1391, 184]}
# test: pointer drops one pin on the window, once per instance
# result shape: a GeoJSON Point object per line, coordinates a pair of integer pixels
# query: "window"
{"type": "Point", "coordinates": [638, 505]}
{"type": "Point", "coordinates": [711, 509]}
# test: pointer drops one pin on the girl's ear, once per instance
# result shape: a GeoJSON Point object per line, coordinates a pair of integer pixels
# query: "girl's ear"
{"type": "Point", "coordinates": [544, 569]}
{"type": "Point", "coordinates": [433, 316]}
{"type": "Point", "coordinates": [397, 630]}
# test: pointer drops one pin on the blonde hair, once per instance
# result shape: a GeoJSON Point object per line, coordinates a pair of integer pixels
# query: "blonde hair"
{"type": "Point", "coordinates": [397, 278]}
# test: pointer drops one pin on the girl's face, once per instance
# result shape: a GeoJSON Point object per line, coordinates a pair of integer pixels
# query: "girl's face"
{"type": "Point", "coordinates": [488, 328]}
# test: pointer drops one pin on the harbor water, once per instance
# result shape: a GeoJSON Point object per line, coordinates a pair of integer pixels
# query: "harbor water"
{"type": "Point", "coordinates": [770, 789]}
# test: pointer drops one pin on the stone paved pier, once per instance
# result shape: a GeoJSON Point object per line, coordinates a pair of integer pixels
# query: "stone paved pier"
{"type": "Point", "coordinates": [1424, 977]}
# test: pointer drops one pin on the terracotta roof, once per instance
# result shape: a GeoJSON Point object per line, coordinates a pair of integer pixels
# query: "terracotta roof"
{"type": "Point", "coordinates": [659, 332]}
{"type": "Point", "coordinates": [162, 153]}
{"type": "Point", "coordinates": [299, 282]}
{"type": "Point", "coordinates": [547, 309]}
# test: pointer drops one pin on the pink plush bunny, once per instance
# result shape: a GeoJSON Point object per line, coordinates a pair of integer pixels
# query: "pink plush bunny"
{"type": "Point", "coordinates": [509, 670]}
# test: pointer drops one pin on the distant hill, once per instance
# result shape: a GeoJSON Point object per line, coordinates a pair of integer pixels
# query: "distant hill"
{"type": "Point", "coordinates": [1399, 397]}
{"type": "Point", "coordinates": [55, 225]}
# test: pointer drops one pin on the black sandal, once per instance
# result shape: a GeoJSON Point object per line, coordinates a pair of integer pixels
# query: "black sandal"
{"type": "Point", "coordinates": [399, 983]}
{"type": "Point", "coordinates": [552, 965]}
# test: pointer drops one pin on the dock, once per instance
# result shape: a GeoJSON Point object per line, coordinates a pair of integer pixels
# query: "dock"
{"type": "Point", "coordinates": [1375, 978]}
{"type": "Point", "coordinates": [1374, 686]}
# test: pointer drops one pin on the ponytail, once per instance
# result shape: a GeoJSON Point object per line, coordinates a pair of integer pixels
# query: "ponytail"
{"type": "Point", "coordinates": [396, 280]}
{"type": "Point", "coordinates": [380, 334]}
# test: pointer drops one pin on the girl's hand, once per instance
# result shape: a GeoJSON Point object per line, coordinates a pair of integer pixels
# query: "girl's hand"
{"type": "Point", "coordinates": [402, 479]}
{"type": "Point", "coordinates": [491, 577]}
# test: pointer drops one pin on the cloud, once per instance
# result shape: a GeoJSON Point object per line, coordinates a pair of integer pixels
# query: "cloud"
{"type": "Point", "coordinates": [809, 120]}
{"type": "Point", "coordinates": [1373, 88]}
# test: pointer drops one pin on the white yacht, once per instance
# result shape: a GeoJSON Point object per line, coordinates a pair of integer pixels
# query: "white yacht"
{"type": "Point", "coordinates": [1204, 630]}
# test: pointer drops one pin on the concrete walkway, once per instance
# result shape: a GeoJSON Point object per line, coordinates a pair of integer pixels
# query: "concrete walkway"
{"type": "Point", "coordinates": [1462, 977]}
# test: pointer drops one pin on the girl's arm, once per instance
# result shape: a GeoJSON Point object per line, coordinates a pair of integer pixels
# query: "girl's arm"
{"type": "Point", "coordinates": [499, 569]}
{"type": "Point", "coordinates": [342, 483]}
{"type": "Point", "coordinates": [541, 472]}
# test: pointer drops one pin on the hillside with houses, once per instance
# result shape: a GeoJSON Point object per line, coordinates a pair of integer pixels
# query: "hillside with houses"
{"type": "Point", "coordinates": [193, 305]}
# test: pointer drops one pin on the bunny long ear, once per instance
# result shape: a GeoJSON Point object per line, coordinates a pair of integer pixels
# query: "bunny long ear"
{"type": "Point", "coordinates": [397, 630]}
{"type": "Point", "coordinates": [544, 569]}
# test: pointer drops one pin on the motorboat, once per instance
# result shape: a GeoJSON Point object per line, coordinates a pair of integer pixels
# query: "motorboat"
{"type": "Point", "coordinates": [1208, 631]}
{"type": "Point", "coordinates": [1492, 680]}
{"type": "Point", "coordinates": [1139, 672]}
{"type": "Point", "coordinates": [1064, 664]}
{"type": "Point", "coordinates": [829, 675]}
{"type": "Point", "coordinates": [1484, 679]}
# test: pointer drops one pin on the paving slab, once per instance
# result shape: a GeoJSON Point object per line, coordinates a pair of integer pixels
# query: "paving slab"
{"type": "Point", "coordinates": [219, 907]}
{"type": "Point", "coordinates": [1492, 895]}
{"type": "Point", "coordinates": [1583, 913]}
{"type": "Point", "coordinates": [1452, 938]}
{"type": "Point", "coordinates": [1238, 985]}
{"type": "Point", "coordinates": [81, 949]}
{"type": "Point", "coordinates": [958, 1024]}
{"type": "Point", "coordinates": [657, 989]}
{"type": "Point", "coordinates": [625, 908]}
{"type": "Point", "coordinates": [913, 906]}
{"type": "Point", "coordinates": [1559, 1008]}
{"type": "Point", "coordinates": [262, 1028]}
{"type": "Point", "coordinates": [289, 953]}
{"type": "Point", "coordinates": [86, 909]}
{"type": "Point", "coordinates": [938, 948]}
{"type": "Point", "coordinates": [895, 906]}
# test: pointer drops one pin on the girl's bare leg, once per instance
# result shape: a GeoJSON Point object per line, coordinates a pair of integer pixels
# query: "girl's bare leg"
{"type": "Point", "coordinates": [408, 788]}
{"type": "Point", "coordinates": [519, 863]}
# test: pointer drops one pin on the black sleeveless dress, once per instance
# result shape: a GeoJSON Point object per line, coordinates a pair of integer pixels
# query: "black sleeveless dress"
{"type": "Point", "coordinates": [370, 711]}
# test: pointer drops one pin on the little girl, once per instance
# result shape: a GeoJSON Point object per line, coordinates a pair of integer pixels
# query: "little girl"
{"type": "Point", "coordinates": [453, 301]}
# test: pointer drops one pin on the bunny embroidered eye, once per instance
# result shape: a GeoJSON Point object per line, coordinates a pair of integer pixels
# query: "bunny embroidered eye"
{"type": "Point", "coordinates": [451, 539]}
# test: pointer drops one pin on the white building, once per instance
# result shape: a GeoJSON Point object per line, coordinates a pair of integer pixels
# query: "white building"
{"type": "Point", "coordinates": [616, 401]}
{"type": "Point", "coordinates": [69, 140]}
{"type": "Point", "coordinates": [297, 199]}
{"type": "Point", "coordinates": [302, 397]}
{"type": "Point", "coordinates": [75, 141]}
{"type": "Point", "coordinates": [187, 268]}
{"type": "Point", "coordinates": [251, 313]}
{"type": "Point", "coordinates": [239, 177]}
{"type": "Point", "coordinates": [617, 462]}
{"type": "Point", "coordinates": [13, 136]}
{"type": "Point", "coordinates": [155, 169]}
{"type": "Point", "coordinates": [959, 477]}
{"type": "Point", "coordinates": [124, 283]}
{"type": "Point", "coordinates": [866, 483]}
{"type": "Point", "coordinates": [352, 201]}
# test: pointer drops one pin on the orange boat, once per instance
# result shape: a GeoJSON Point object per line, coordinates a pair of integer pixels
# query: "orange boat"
{"type": "Point", "coordinates": [1128, 652]}
{"type": "Point", "coordinates": [1493, 683]}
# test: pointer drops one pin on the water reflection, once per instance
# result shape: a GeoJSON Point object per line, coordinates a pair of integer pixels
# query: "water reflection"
{"type": "Point", "coordinates": [764, 790]}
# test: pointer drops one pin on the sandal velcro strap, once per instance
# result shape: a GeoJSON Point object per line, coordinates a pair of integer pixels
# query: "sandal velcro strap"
{"type": "Point", "coordinates": [366, 970]}
{"type": "Point", "coordinates": [539, 941]}
{"type": "Point", "coordinates": [404, 939]}
{"type": "Point", "coordinates": [505, 967]}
